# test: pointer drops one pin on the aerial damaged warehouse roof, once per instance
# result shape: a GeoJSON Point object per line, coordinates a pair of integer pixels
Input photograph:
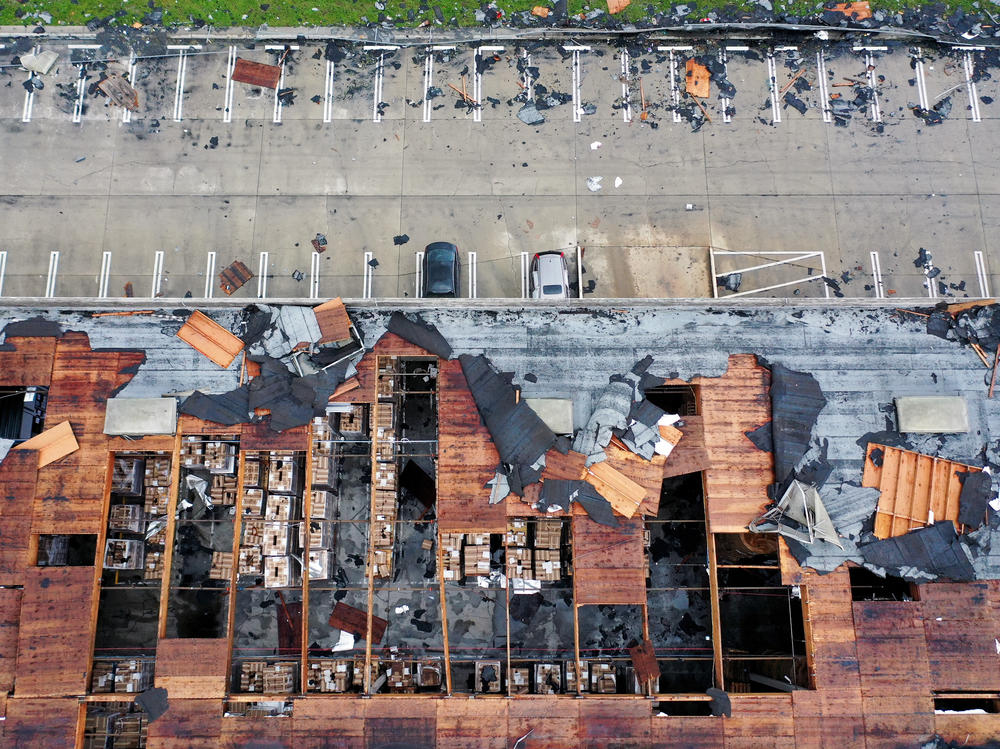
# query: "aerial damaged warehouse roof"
{"type": "Point", "coordinates": [369, 501]}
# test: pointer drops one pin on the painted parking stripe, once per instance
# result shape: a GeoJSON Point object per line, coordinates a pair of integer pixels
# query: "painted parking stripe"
{"type": "Point", "coordinates": [379, 78]}
{"type": "Point", "coordinates": [29, 95]}
{"type": "Point", "coordinates": [132, 65]}
{"type": "Point", "coordinates": [626, 100]}
{"type": "Point", "coordinates": [281, 78]}
{"type": "Point", "coordinates": [526, 80]}
{"type": "Point", "coordinates": [102, 280]}
{"type": "Point", "coordinates": [81, 82]}
{"type": "Point", "coordinates": [262, 275]}
{"type": "Point", "coordinates": [419, 277]}
{"type": "Point", "coordinates": [3, 268]}
{"type": "Point", "coordinates": [877, 275]}
{"type": "Point", "coordinates": [675, 89]}
{"type": "Point", "coordinates": [366, 292]}
{"type": "Point", "coordinates": [824, 91]}
{"type": "Point", "coordinates": [473, 279]}
{"type": "Point", "coordinates": [917, 59]}
{"type": "Point", "coordinates": [314, 276]}
{"type": "Point", "coordinates": [772, 84]}
{"type": "Point", "coordinates": [154, 290]}
{"type": "Point", "coordinates": [328, 93]}
{"type": "Point", "coordinates": [210, 274]}
{"type": "Point", "coordinates": [524, 275]}
{"type": "Point", "coordinates": [969, 65]}
{"type": "Point", "coordinates": [182, 54]}
{"type": "Point", "coordinates": [429, 77]}
{"type": "Point", "coordinates": [577, 79]}
{"type": "Point", "coordinates": [981, 274]}
{"type": "Point", "coordinates": [874, 107]}
{"type": "Point", "coordinates": [227, 105]}
{"type": "Point", "coordinates": [50, 280]}
{"type": "Point", "coordinates": [477, 82]}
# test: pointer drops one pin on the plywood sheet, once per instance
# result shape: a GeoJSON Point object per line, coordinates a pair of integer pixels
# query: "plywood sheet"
{"type": "Point", "coordinates": [47, 723]}
{"type": "Point", "coordinates": [334, 323]}
{"type": "Point", "coordinates": [891, 646]}
{"type": "Point", "coordinates": [697, 79]}
{"type": "Point", "coordinates": [53, 648]}
{"type": "Point", "coordinates": [703, 732]}
{"type": "Point", "coordinates": [188, 723]}
{"type": "Point", "coordinates": [913, 488]}
{"type": "Point", "coordinates": [10, 614]}
{"type": "Point", "coordinates": [27, 361]}
{"type": "Point", "coordinates": [53, 444]}
{"type": "Point", "coordinates": [615, 720]}
{"type": "Point", "coordinates": [472, 723]}
{"type": "Point", "coordinates": [192, 668]}
{"type": "Point", "coordinates": [554, 722]}
{"type": "Point", "coordinates": [624, 494]}
{"type": "Point", "coordinates": [967, 730]}
{"type": "Point", "coordinates": [856, 11]}
{"type": "Point", "coordinates": [207, 337]}
{"type": "Point", "coordinates": [262, 437]}
{"type": "Point", "coordinates": [608, 564]}
{"type": "Point", "coordinates": [17, 493]}
{"type": "Point", "coordinates": [256, 73]}
{"type": "Point", "coordinates": [467, 459]}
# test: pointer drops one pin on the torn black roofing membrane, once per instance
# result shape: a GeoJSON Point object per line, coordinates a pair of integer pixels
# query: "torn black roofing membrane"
{"type": "Point", "coordinates": [796, 400]}
{"type": "Point", "coordinates": [977, 488]}
{"type": "Point", "coordinates": [420, 333]}
{"type": "Point", "coordinates": [933, 550]}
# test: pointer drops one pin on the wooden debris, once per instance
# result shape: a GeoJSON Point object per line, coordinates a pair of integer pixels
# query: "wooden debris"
{"type": "Point", "coordinates": [856, 11]}
{"type": "Point", "coordinates": [256, 73]}
{"type": "Point", "coordinates": [697, 80]}
{"type": "Point", "coordinates": [233, 277]}
{"type": "Point", "coordinates": [617, 6]}
{"type": "Point", "coordinates": [788, 85]}
{"type": "Point", "coordinates": [702, 108]}
{"type": "Point", "coordinates": [993, 377]}
{"type": "Point", "coordinates": [624, 494]}
{"type": "Point", "coordinates": [211, 339]}
{"type": "Point", "coordinates": [52, 444]}
{"type": "Point", "coordinates": [465, 97]}
{"type": "Point", "coordinates": [980, 353]}
{"type": "Point", "coordinates": [540, 11]}
{"type": "Point", "coordinates": [120, 91]}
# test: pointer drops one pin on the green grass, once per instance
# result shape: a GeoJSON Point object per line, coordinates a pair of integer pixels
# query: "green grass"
{"type": "Point", "coordinates": [223, 13]}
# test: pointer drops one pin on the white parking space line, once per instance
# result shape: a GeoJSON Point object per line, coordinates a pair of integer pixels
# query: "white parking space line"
{"type": "Point", "coordinates": [81, 82]}
{"type": "Point", "coordinates": [675, 89]}
{"type": "Point", "coordinates": [157, 274]}
{"type": "Point", "coordinates": [477, 81]}
{"type": "Point", "coordinates": [366, 290]}
{"type": "Point", "coordinates": [227, 106]}
{"type": "Point", "coordinates": [314, 276]}
{"type": "Point", "coordinates": [917, 59]}
{"type": "Point", "coordinates": [429, 77]}
{"type": "Point", "coordinates": [419, 256]}
{"type": "Point", "coordinates": [3, 268]}
{"type": "Point", "coordinates": [182, 53]}
{"type": "Point", "coordinates": [724, 59]}
{"type": "Point", "coordinates": [210, 274]}
{"type": "Point", "coordinates": [577, 80]}
{"type": "Point", "coordinates": [579, 272]}
{"type": "Point", "coordinates": [379, 79]}
{"type": "Point", "coordinates": [328, 93]}
{"type": "Point", "coordinates": [281, 79]}
{"type": "Point", "coordinates": [772, 84]}
{"type": "Point", "coordinates": [984, 279]}
{"type": "Point", "coordinates": [928, 281]}
{"type": "Point", "coordinates": [626, 101]}
{"type": "Point", "coordinates": [473, 281]}
{"type": "Point", "coordinates": [50, 281]}
{"type": "Point", "coordinates": [824, 91]}
{"type": "Point", "coordinates": [969, 64]}
{"type": "Point", "coordinates": [527, 81]}
{"type": "Point", "coordinates": [29, 95]}
{"type": "Point", "coordinates": [524, 275]}
{"type": "Point", "coordinates": [104, 277]}
{"type": "Point", "coordinates": [874, 107]}
{"type": "Point", "coordinates": [132, 65]}
{"type": "Point", "coordinates": [262, 275]}
{"type": "Point", "coordinates": [877, 275]}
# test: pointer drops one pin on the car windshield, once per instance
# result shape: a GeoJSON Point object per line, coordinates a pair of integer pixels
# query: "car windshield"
{"type": "Point", "coordinates": [551, 288]}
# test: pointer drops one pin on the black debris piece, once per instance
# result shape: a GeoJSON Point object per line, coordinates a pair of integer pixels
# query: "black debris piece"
{"type": "Point", "coordinates": [373, 263]}
{"type": "Point", "coordinates": [796, 400]}
{"type": "Point", "coordinates": [934, 549]}
{"type": "Point", "coordinates": [225, 408]}
{"type": "Point", "coordinates": [529, 114]}
{"type": "Point", "coordinates": [298, 275]}
{"type": "Point", "coordinates": [153, 702]}
{"type": "Point", "coordinates": [420, 333]}
{"type": "Point", "coordinates": [939, 323]}
{"type": "Point", "coordinates": [646, 413]}
{"type": "Point", "coordinates": [558, 493]}
{"type": "Point", "coordinates": [256, 323]}
{"type": "Point", "coordinates": [597, 507]}
{"type": "Point", "coordinates": [400, 239]}
{"type": "Point", "coordinates": [876, 456]}
{"type": "Point", "coordinates": [519, 435]}
{"type": "Point", "coordinates": [720, 704]}
{"type": "Point", "coordinates": [795, 102]}
{"type": "Point", "coordinates": [761, 437]}
{"type": "Point", "coordinates": [529, 377]}
{"type": "Point", "coordinates": [731, 282]}
{"type": "Point", "coordinates": [974, 499]}
{"type": "Point", "coordinates": [36, 327]}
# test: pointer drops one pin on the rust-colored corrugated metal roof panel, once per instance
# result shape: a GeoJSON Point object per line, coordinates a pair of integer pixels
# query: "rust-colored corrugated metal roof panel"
{"type": "Point", "coordinates": [54, 645]}
{"type": "Point", "coordinates": [207, 337]}
{"type": "Point", "coordinates": [45, 723]}
{"type": "Point", "coordinates": [467, 459]}
{"type": "Point", "coordinates": [192, 667]}
{"type": "Point", "coordinates": [256, 73]}
{"type": "Point", "coordinates": [17, 494]}
{"type": "Point", "coordinates": [27, 361]}
{"type": "Point", "coordinates": [10, 614]}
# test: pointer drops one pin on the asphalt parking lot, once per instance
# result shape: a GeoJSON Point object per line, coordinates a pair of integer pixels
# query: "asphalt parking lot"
{"type": "Point", "coordinates": [841, 179]}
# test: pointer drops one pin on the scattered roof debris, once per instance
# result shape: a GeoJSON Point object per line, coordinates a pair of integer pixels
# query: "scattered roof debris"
{"type": "Point", "coordinates": [415, 330]}
{"type": "Point", "coordinates": [206, 336]}
{"type": "Point", "coordinates": [153, 702]}
{"type": "Point", "coordinates": [800, 503]}
{"type": "Point", "coordinates": [120, 91]}
{"type": "Point", "coordinates": [233, 276]}
{"type": "Point", "coordinates": [923, 554]}
{"type": "Point", "coordinates": [796, 401]}
{"type": "Point", "coordinates": [256, 73]}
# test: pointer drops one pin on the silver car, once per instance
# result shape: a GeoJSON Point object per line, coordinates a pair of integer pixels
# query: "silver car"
{"type": "Point", "coordinates": [548, 277]}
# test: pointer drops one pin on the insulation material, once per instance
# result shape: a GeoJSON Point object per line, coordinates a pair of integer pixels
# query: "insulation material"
{"type": "Point", "coordinates": [52, 444]}
{"type": "Point", "coordinates": [207, 337]}
{"type": "Point", "coordinates": [802, 504]}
